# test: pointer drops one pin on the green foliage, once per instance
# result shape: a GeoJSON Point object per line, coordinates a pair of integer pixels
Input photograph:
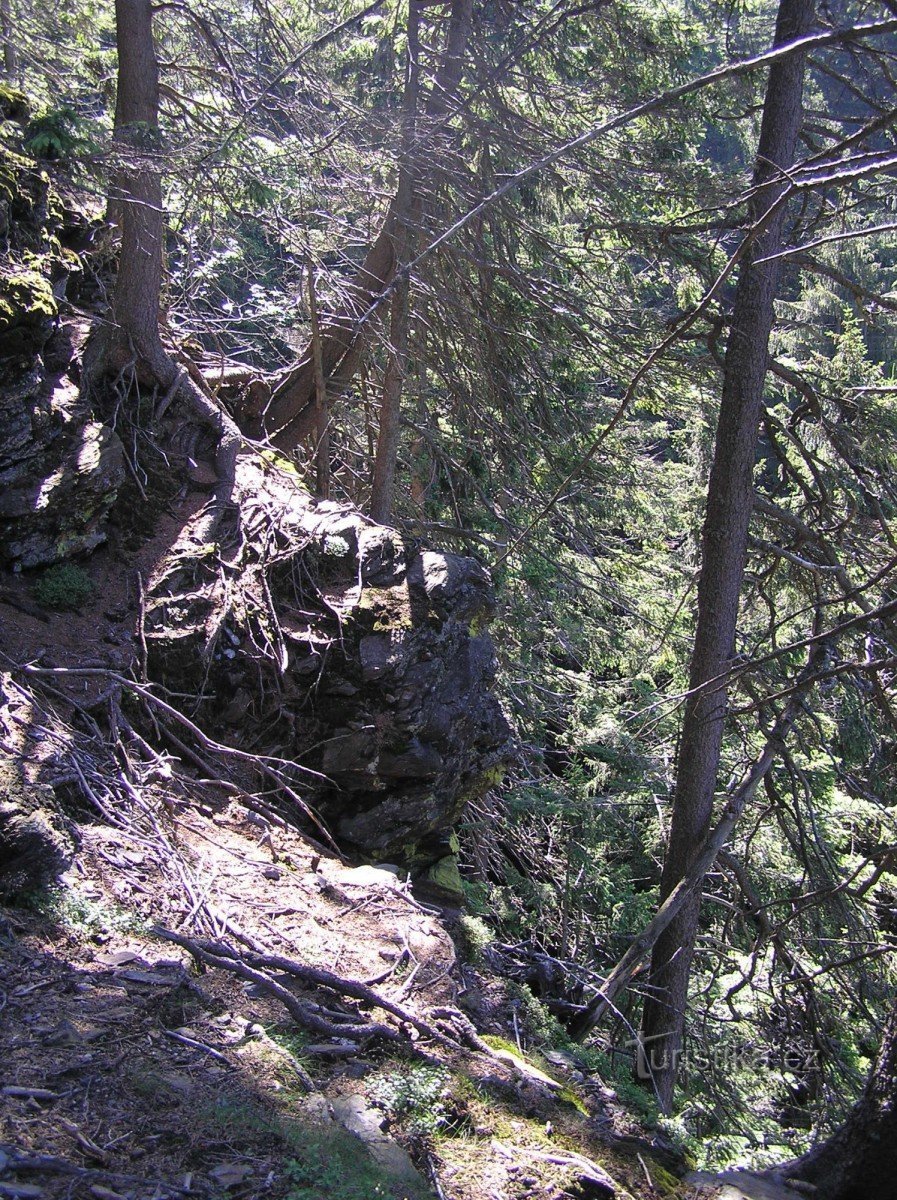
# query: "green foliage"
{"type": "Point", "coordinates": [64, 586]}
{"type": "Point", "coordinates": [529, 327]}
{"type": "Point", "coordinates": [59, 133]}
{"type": "Point", "coordinates": [333, 1165]}
{"type": "Point", "coordinates": [413, 1096]}
{"type": "Point", "coordinates": [475, 935]}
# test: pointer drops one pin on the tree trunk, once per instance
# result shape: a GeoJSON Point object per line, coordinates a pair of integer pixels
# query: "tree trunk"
{"type": "Point", "coordinates": [7, 31]}
{"type": "Point", "coordinates": [724, 546]}
{"type": "Point", "coordinates": [290, 415]}
{"type": "Point", "coordinates": [322, 409]}
{"type": "Point", "coordinates": [137, 194]}
{"type": "Point", "coordinates": [133, 336]}
{"type": "Point", "coordinates": [408, 210]}
{"type": "Point", "coordinates": [859, 1162]}
{"type": "Point", "coordinates": [390, 409]}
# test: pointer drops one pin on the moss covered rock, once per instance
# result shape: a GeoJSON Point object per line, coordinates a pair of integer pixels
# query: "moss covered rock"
{"type": "Point", "coordinates": [60, 469]}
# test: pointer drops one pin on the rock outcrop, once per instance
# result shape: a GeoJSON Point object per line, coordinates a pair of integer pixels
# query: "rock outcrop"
{"type": "Point", "coordinates": [60, 469]}
{"type": "Point", "coordinates": [36, 842]}
{"type": "Point", "coordinates": [328, 640]}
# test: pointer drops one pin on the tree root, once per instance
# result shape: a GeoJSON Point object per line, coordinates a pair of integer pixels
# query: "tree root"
{"type": "Point", "coordinates": [256, 967]}
{"type": "Point", "coordinates": [106, 357]}
{"type": "Point", "coordinates": [229, 439]}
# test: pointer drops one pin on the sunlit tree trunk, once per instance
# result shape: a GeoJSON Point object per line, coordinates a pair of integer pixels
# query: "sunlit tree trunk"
{"type": "Point", "coordinates": [724, 548]}
{"type": "Point", "coordinates": [407, 221]}
{"type": "Point", "coordinates": [137, 190]}
{"type": "Point", "coordinates": [133, 336]}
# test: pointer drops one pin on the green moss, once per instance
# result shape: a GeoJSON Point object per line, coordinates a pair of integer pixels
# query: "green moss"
{"type": "Point", "coordinates": [664, 1181]}
{"type": "Point", "coordinates": [388, 606]}
{"type": "Point", "coordinates": [27, 299]}
{"type": "Point", "coordinates": [500, 1043]}
{"type": "Point", "coordinates": [277, 460]}
{"type": "Point", "coordinates": [444, 876]}
{"type": "Point", "coordinates": [484, 782]}
{"type": "Point", "coordinates": [538, 1023]}
{"type": "Point", "coordinates": [475, 936]}
{"type": "Point", "coordinates": [569, 1096]}
{"type": "Point", "coordinates": [14, 104]}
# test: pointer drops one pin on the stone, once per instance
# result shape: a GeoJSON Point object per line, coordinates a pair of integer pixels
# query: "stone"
{"type": "Point", "coordinates": [385, 875]}
{"type": "Point", "coordinates": [60, 468]}
{"type": "Point", "coordinates": [444, 879]}
{"type": "Point", "coordinates": [36, 843]}
{"type": "Point", "coordinates": [739, 1185]}
{"type": "Point", "coordinates": [366, 1123]}
{"type": "Point", "coordinates": [381, 556]}
{"type": "Point", "coordinates": [398, 714]}
{"type": "Point", "coordinates": [53, 516]}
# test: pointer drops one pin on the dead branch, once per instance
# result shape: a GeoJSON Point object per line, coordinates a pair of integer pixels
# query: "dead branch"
{"type": "Point", "coordinates": [255, 967]}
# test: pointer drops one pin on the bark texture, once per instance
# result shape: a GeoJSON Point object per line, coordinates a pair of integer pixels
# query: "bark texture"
{"type": "Point", "coordinates": [724, 547]}
{"type": "Point", "coordinates": [138, 186]}
{"type": "Point", "coordinates": [134, 337]}
{"type": "Point", "coordinates": [860, 1161]}
{"type": "Point", "coordinates": [407, 222]}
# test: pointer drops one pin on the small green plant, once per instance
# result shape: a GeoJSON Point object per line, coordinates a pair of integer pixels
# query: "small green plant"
{"type": "Point", "coordinates": [64, 587]}
{"type": "Point", "coordinates": [333, 1166]}
{"type": "Point", "coordinates": [475, 936]}
{"type": "Point", "coordinates": [335, 546]}
{"type": "Point", "coordinates": [85, 916]}
{"type": "Point", "coordinates": [414, 1097]}
{"type": "Point", "coordinates": [293, 1041]}
{"type": "Point", "coordinates": [285, 1054]}
{"type": "Point", "coordinates": [56, 134]}
{"type": "Point", "coordinates": [536, 1021]}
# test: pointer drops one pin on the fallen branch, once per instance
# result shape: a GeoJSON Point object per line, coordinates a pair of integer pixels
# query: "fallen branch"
{"type": "Point", "coordinates": [255, 968]}
{"type": "Point", "coordinates": [19, 1161]}
{"type": "Point", "coordinates": [262, 763]}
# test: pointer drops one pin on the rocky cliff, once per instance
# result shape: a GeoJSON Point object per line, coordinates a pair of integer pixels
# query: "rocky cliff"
{"type": "Point", "coordinates": [307, 632]}
{"type": "Point", "coordinates": [60, 468]}
{"type": "Point", "coordinates": [330, 642]}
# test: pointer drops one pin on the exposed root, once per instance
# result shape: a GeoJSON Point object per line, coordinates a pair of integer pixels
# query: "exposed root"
{"type": "Point", "coordinates": [152, 363]}
{"type": "Point", "coordinates": [273, 769]}
{"type": "Point", "coordinates": [257, 967]}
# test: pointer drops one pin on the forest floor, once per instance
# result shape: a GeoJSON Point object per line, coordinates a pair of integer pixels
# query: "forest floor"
{"type": "Point", "coordinates": [129, 1069]}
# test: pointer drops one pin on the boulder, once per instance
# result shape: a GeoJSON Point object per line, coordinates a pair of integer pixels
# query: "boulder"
{"type": "Point", "coordinates": [36, 844]}
{"type": "Point", "coordinates": [355, 655]}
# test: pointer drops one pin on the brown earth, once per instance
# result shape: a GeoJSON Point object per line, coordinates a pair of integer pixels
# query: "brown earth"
{"type": "Point", "coordinates": [129, 1071]}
